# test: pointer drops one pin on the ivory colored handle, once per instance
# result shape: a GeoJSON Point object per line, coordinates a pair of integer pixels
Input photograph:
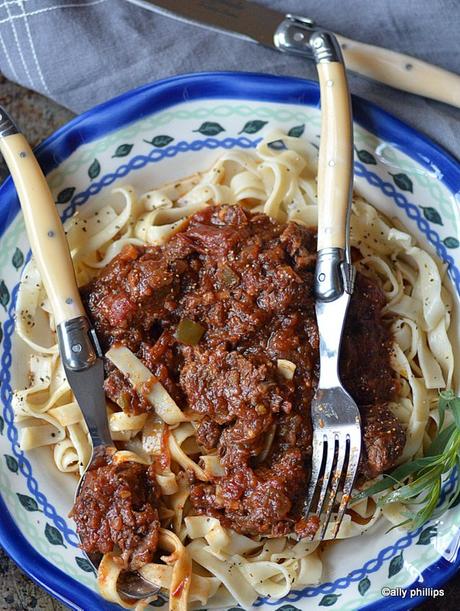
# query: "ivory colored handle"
{"type": "Point", "coordinates": [335, 155]}
{"type": "Point", "coordinates": [401, 71]}
{"type": "Point", "coordinates": [44, 228]}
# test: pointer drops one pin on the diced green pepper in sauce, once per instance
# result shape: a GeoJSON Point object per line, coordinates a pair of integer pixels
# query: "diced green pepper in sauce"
{"type": "Point", "coordinates": [189, 332]}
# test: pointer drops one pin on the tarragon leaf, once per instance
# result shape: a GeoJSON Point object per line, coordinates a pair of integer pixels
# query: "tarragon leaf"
{"type": "Point", "coordinates": [440, 441]}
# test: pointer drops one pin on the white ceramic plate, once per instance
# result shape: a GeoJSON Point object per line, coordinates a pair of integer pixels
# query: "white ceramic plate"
{"type": "Point", "coordinates": [165, 131]}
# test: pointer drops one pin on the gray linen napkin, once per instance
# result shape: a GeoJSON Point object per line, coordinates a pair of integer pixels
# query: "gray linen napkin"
{"type": "Point", "coordinates": [84, 52]}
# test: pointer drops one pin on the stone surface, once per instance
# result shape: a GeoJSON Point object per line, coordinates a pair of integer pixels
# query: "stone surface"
{"type": "Point", "coordinates": [19, 593]}
{"type": "Point", "coordinates": [39, 117]}
{"type": "Point", "coordinates": [35, 115]}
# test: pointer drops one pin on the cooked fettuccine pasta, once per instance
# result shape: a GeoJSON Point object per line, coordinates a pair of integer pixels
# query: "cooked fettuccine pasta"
{"type": "Point", "coordinates": [179, 394]}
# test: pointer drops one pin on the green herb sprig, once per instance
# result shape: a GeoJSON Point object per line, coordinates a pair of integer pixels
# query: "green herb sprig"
{"type": "Point", "coordinates": [420, 481]}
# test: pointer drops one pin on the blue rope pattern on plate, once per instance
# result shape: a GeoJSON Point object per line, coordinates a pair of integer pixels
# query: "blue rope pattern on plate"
{"type": "Point", "coordinates": [413, 212]}
{"type": "Point", "coordinates": [24, 465]}
{"type": "Point", "coordinates": [138, 162]}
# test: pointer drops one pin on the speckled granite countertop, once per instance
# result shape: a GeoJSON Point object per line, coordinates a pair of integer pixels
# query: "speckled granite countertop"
{"type": "Point", "coordinates": [39, 117]}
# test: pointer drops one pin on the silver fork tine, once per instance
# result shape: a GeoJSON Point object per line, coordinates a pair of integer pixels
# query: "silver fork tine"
{"type": "Point", "coordinates": [353, 461]}
{"type": "Point", "coordinates": [336, 479]}
{"type": "Point", "coordinates": [331, 441]}
{"type": "Point", "coordinates": [318, 451]}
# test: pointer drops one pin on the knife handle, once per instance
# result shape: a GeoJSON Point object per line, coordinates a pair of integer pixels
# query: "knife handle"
{"type": "Point", "coordinates": [401, 71]}
{"type": "Point", "coordinates": [43, 225]}
{"type": "Point", "coordinates": [335, 165]}
{"type": "Point", "coordinates": [397, 70]}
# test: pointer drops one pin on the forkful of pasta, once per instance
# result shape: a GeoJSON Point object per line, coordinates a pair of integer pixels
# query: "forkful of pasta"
{"type": "Point", "coordinates": [335, 415]}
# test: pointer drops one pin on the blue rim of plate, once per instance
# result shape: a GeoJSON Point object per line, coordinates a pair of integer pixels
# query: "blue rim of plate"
{"type": "Point", "coordinates": [153, 98]}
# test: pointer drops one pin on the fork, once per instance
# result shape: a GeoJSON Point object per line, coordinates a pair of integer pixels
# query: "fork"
{"type": "Point", "coordinates": [335, 416]}
{"type": "Point", "coordinates": [80, 351]}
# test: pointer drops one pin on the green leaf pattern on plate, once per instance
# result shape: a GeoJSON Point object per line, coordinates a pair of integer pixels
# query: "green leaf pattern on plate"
{"type": "Point", "coordinates": [85, 565]}
{"type": "Point", "coordinates": [209, 128]}
{"type": "Point", "coordinates": [4, 294]}
{"type": "Point", "coordinates": [252, 127]}
{"type": "Point", "coordinates": [53, 535]}
{"type": "Point", "coordinates": [11, 463]}
{"type": "Point", "coordinates": [160, 141]}
{"type": "Point", "coordinates": [432, 215]}
{"type": "Point", "coordinates": [94, 169]}
{"type": "Point", "coordinates": [396, 565]}
{"type": "Point", "coordinates": [28, 502]}
{"type": "Point", "coordinates": [451, 242]}
{"type": "Point", "coordinates": [18, 258]}
{"type": "Point", "coordinates": [123, 150]}
{"type": "Point", "coordinates": [366, 157]}
{"type": "Point", "coordinates": [329, 600]}
{"type": "Point", "coordinates": [403, 182]}
{"type": "Point", "coordinates": [364, 585]}
{"type": "Point", "coordinates": [288, 608]}
{"type": "Point", "coordinates": [65, 195]}
{"type": "Point", "coordinates": [297, 131]}
{"type": "Point", "coordinates": [426, 535]}
{"type": "Point", "coordinates": [277, 145]}
{"type": "Point", "coordinates": [2, 425]}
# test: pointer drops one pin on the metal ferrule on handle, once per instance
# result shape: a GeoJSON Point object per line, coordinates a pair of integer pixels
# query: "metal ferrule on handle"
{"type": "Point", "coordinates": [333, 274]}
{"type": "Point", "coordinates": [78, 344]}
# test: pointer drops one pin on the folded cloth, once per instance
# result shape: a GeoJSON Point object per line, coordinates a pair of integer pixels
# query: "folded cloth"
{"type": "Point", "coordinates": [80, 53]}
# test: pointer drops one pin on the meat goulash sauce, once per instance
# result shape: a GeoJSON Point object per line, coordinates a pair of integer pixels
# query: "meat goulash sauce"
{"type": "Point", "coordinates": [210, 314]}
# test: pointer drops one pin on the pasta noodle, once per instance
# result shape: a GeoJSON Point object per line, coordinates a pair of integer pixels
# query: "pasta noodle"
{"type": "Point", "coordinates": [207, 564]}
